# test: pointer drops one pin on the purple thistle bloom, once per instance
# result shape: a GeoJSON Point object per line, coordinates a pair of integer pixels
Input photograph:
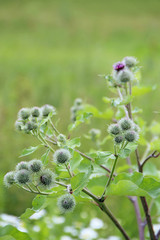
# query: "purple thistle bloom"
{"type": "Point", "coordinates": [118, 66]}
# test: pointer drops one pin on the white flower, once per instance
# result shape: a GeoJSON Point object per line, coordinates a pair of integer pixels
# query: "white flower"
{"type": "Point", "coordinates": [66, 238]}
{"type": "Point", "coordinates": [38, 215]}
{"type": "Point", "coordinates": [71, 230]}
{"type": "Point", "coordinates": [113, 238]}
{"type": "Point", "coordinates": [36, 228]}
{"type": "Point", "coordinates": [96, 223]}
{"type": "Point", "coordinates": [14, 221]}
{"type": "Point", "coordinates": [156, 228]}
{"type": "Point", "coordinates": [88, 234]}
{"type": "Point", "coordinates": [58, 220]}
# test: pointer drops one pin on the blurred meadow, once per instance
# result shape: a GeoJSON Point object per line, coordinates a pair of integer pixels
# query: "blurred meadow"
{"type": "Point", "coordinates": [53, 51]}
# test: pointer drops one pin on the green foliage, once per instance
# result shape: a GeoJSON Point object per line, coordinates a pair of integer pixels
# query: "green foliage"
{"type": "Point", "coordinates": [92, 176]}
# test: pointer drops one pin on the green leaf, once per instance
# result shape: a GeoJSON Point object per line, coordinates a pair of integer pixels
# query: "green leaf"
{"type": "Point", "coordinates": [44, 157]}
{"type": "Point", "coordinates": [28, 212]}
{"type": "Point", "coordinates": [28, 151]}
{"type": "Point", "coordinates": [155, 145]}
{"type": "Point", "coordinates": [139, 90]}
{"type": "Point", "coordinates": [79, 181]}
{"type": "Point", "coordinates": [73, 143]}
{"type": "Point", "coordinates": [124, 153]}
{"type": "Point", "coordinates": [134, 184]}
{"type": "Point", "coordinates": [84, 117]}
{"type": "Point", "coordinates": [13, 232]}
{"type": "Point", "coordinates": [75, 160]}
{"type": "Point", "coordinates": [39, 202]}
{"type": "Point", "coordinates": [103, 157]}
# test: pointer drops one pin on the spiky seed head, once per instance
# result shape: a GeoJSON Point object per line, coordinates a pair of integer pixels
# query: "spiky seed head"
{"type": "Point", "coordinates": [130, 61]}
{"type": "Point", "coordinates": [131, 136]}
{"type": "Point", "coordinates": [35, 165]}
{"type": "Point", "coordinates": [136, 128]}
{"type": "Point", "coordinates": [114, 129]}
{"type": "Point", "coordinates": [22, 176]}
{"type": "Point", "coordinates": [9, 179]}
{"type": "Point", "coordinates": [95, 133]}
{"type": "Point", "coordinates": [47, 109]}
{"type": "Point", "coordinates": [66, 203]}
{"type": "Point", "coordinates": [125, 76]}
{"type": "Point", "coordinates": [18, 125]}
{"type": "Point", "coordinates": [35, 112]}
{"type": "Point", "coordinates": [78, 102]}
{"type": "Point", "coordinates": [61, 156]}
{"type": "Point", "coordinates": [118, 66]}
{"type": "Point", "coordinates": [22, 165]}
{"type": "Point", "coordinates": [31, 125]}
{"type": "Point", "coordinates": [118, 139]}
{"type": "Point", "coordinates": [24, 113]}
{"type": "Point", "coordinates": [46, 179]}
{"type": "Point", "coordinates": [125, 124]}
{"type": "Point", "coordinates": [61, 138]}
{"type": "Point", "coordinates": [73, 110]}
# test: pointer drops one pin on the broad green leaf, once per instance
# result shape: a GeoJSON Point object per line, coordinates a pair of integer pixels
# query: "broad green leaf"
{"type": "Point", "coordinates": [75, 160]}
{"type": "Point", "coordinates": [39, 202]}
{"type": "Point", "coordinates": [28, 151]}
{"type": "Point", "coordinates": [13, 232]}
{"type": "Point", "coordinates": [103, 157]}
{"type": "Point", "coordinates": [73, 143]}
{"type": "Point", "coordinates": [155, 128]}
{"type": "Point", "coordinates": [44, 157]}
{"type": "Point", "coordinates": [134, 184]}
{"type": "Point", "coordinates": [79, 181]}
{"type": "Point", "coordinates": [82, 118]}
{"type": "Point", "coordinates": [107, 114]}
{"type": "Point", "coordinates": [139, 90]}
{"type": "Point", "coordinates": [124, 153]}
{"type": "Point", "coordinates": [84, 165]}
{"type": "Point", "coordinates": [28, 212]}
{"type": "Point", "coordinates": [155, 145]}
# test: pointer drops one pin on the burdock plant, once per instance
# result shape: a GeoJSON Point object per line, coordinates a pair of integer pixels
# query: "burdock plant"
{"type": "Point", "coordinates": [71, 175]}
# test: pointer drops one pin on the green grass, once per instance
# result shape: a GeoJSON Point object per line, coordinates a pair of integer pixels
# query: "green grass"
{"type": "Point", "coordinates": [53, 51]}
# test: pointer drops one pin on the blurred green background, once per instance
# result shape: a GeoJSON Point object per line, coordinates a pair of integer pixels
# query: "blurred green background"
{"type": "Point", "coordinates": [52, 52]}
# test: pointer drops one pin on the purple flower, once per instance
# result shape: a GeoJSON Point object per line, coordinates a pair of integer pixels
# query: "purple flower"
{"type": "Point", "coordinates": [118, 66]}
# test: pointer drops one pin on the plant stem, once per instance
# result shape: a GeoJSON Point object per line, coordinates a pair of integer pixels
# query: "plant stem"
{"type": "Point", "coordinates": [143, 199]}
{"type": "Point", "coordinates": [68, 170]}
{"type": "Point", "coordinates": [91, 159]}
{"type": "Point", "coordinates": [111, 175]}
{"type": "Point", "coordinates": [103, 207]}
{"type": "Point", "coordinates": [45, 142]}
{"type": "Point", "coordinates": [54, 128]}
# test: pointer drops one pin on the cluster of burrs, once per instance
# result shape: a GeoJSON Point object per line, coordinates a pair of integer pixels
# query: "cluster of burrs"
{"type": "Point", "coordinates": [30, 118]}
{"type": "Point", "coordinates": [123, 71]}
{"type": "Point", "coordinates": [34, 177]}
{"type": "Point", "coordinates": [125, 130]}
{"type": "Point", "coordinates": [78, 105]}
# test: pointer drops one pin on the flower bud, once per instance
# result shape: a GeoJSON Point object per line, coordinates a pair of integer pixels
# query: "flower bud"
{"type": "Point", "coordinates": [61, 156]}
{"type": "Point", "coordinates": [61, 138]}
{"type": "Point", "coordinates": [125, 76]}
{"type": "Point", "coordinates": [130, 61]}
{"type": "Point", "coordinates": [95, 133]}
{"type": "Point", "coordinates": [118, 139]}
{"type": "Point", "coordinates": [118, 66]}
{"type": "Point", "coordinates": [35, 112]}
{"type": "Point", "coordinates": [46, 179]}
{"type": "Point", "coordinates": [24, 113]}
{"type": "Point", "coordinates": [125, 124]}
{"type": "Point", "coordinates": [9, 179]}
{"type": "Point", "coordinates": [22, 165]}
{"type": "Point", "coordinates": [35, 165]}
{"type": "Point", "coordinates": [18, 125]}
{"type": "Point", "coordinates": [78, 102]}
{"type": "Point", "coordinates": [114, 129]}
{"type": "Point", "coordinates": [31, 125]}
{"type": "Point", "coordinates": [22, 176]}
{"type": "Point", "coordinates": [131, 136]}
{"type": "Point", "coordinates": [47, 109]}
{"type": "Point", "coordinates": [136, 128]}
{"type": "Point", "coordinates": [66, 203]}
